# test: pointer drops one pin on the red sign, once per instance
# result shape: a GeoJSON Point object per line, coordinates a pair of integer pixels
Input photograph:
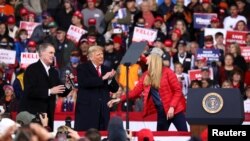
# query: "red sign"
{"type": "Point", "coordinates": [29, 26]}
{"type": "Point", "coordinates": [236, 37]}
{"type": "Point", "coordinates": [245, 52]}
{"type": "Point", "coordinates": [196, 74]}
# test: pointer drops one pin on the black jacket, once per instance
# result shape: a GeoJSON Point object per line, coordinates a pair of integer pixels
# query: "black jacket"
{"type": "Point", "coordinates": [36, 87]}
{"type": "Point", "coordinates": [92, 98]}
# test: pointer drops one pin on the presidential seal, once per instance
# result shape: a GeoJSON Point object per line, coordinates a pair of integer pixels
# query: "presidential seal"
{"type": "Point", "coordinates": [212, 103]}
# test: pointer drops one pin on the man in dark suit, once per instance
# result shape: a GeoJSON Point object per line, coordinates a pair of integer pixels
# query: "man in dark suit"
{"type": "Point", "coordinates": [42, 84]}
{"type": "Point", "coordinates": [95, 81]}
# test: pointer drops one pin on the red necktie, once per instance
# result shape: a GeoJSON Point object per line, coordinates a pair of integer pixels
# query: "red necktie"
{"type": "Point", "coordinates": [98, 71]}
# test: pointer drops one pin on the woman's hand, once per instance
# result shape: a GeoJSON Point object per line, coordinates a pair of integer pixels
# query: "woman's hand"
{"type": "Point", "coordinates": [170, 113]}
{"type": "Point", "coordinates": [113, 101]}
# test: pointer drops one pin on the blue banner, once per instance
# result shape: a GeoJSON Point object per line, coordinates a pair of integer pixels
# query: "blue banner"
{"type": "Point", "coordinates": [202, 20]}
{"type": "Point", "coordinates": [210, 54]}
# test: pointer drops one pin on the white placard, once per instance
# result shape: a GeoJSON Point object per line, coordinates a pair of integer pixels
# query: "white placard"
{"type": "Point", "coordinates": [144, 34]}
{"type": "Point", "coordinates": [75, 33]}
{"type": "Point", "coordinates": [7, 56]}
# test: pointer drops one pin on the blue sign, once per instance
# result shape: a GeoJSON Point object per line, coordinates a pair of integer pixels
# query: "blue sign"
{"type": "Point", "coordinates": [210, 54]}
{"type": "Point", "coordinates": [202, 20]}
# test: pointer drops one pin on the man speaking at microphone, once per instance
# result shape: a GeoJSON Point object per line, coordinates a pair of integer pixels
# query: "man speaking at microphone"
{"type": "Point", "coordinates": [42, 84]}
{"type": "Point", "coordinates": [95, 81]}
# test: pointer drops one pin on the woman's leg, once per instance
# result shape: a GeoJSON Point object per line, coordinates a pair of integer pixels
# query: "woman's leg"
{"type": "Point", "coordinates": [162, 122]}
{"type": "Point", "coordinates": [179, 122]}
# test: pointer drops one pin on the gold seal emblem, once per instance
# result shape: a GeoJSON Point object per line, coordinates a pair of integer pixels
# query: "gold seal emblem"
{"type": "Point", "coordinates": [212, 103]}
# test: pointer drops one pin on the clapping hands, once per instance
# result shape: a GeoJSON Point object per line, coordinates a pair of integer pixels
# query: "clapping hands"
{"type": "Point", "coordinates": [109, 75]}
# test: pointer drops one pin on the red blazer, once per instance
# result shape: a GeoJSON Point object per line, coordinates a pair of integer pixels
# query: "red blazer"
{"type": "Point", "coordinates": [170, 93]}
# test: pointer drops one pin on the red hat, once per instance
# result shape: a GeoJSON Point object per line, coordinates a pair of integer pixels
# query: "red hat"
{"type": "Point", "coordinates": [117, 39]}
{"type": "Point", "coordinates": [32, 44]}
{"type": "Point", "coordinates": [168, 43]}
{"type": "Point", "coordinates": [5, 87]}
{"type": "Point", "coordinates": [92, 21]}
{"type": "Point", "coordinates": [206, 1]}
{"type": "Point", "coordinates": [91, 39]}
{"type": "Point", "coordinates": [11, 20]}
{"type": "Point", "coordinates": [177, 31]}
{"type": "Point", "coordinates": [145, 133]}
{"type": "Point", "coordinates": [23, 11]}
{"type": "Point", "coordinates": [78, 14]}
{"type": "Point", "coordinates": [94, 1]}
{"type": "Point", "coordinates": [214, 20]}
{"type": "Point", "coordinates": [202, 59]}
{"type": "Point", "coordinates": [159, 18]}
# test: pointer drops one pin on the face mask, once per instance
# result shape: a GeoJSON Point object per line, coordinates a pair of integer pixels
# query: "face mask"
{"type": "Point", "coordinates": [74, 60]}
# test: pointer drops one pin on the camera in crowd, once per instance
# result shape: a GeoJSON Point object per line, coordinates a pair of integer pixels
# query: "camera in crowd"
{"type": "Point", "coordinates": [37, 118]}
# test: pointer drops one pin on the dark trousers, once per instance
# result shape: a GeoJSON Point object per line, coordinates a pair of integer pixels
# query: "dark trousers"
{"type": "Point", "coordinates": [178, 120]}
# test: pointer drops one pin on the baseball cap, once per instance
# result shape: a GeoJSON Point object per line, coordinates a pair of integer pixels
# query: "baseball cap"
{"type": "Point", "coordinates": [214, 19]}
{"type": "Point", "coordinates": [168, 43]}
{"type": "Point", "coordinates": [206, 1]}
{"type": "Point", "coordinates": [177, 31]}
{"type": "Point", "coordinates": [32, 43]}
{"type": "Point", "coordinates": [52, 24]}
{"type": "Point", "coordinates": [145, 133]}
{"type": "Point", "coordinates": [23, 11]}
{"type": "Point", "coordinates": [91, 21]}
{"type": "Point", "coordinates": [24, 117]}
{"type": "Point", "coordinates": [159, 18]}
{"type": "Point", "coordinates": [78, 14]}
{"type": "Point", "coordinates": [11, 20]}
{"type": "Point", "coordinates": [45, 14]}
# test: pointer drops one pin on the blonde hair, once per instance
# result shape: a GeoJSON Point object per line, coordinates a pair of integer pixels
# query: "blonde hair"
{"type": "Point", "coordinates": [153, 78]}
{"type": "Point", "coordinates": [93, 49]}
{"type": "Point", "coordinates": [237, 47]}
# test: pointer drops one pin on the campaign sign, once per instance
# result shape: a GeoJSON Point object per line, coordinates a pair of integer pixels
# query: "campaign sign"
{"type": "Point", "coordinates": [196, 74]}
{"type": "Point", "coordinates": [202, 20]}
{"type": "Point", "coordinates": [7, 56]}
{"type": "Point", "coordinates": [210, 54]}
{"type": "Point", "coordinates": [213, 31]}
{"type": "Point", "coordinates": [245, 52]}
{"type": "Point", "coordinates": [29, 26]}
{"type": "Point", "coordinates": [28, 58]}
{"type": "Point", "coordinates": [75, 33]}
{"type": "Point", "coordinates": [144, 34]}
{"type": "Point", "coordinates": [236, 37]}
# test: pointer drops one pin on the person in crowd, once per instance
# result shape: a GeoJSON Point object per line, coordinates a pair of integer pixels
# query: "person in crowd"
{"type": "Point", "coordinates": [84, 46]}
{"type": "Point", "coordinates": [131, 7]}
{"type": "Point", "coordinates": [180, 24]}
{"type": "Point", "coordinates": [9, 101]}
{"type": "Point", "coordinates": [18, 84]}
{"type": "Point", "coordinates": [111, 59]}
{"type": "Point", "coordinates": [116, 130]}
{"type": "Point", "coordinates": [92, 12]}
{"type": "Point", "coordinates": [6, 9]}
{"type": "Point", "coordinates": [41, 31]}
{"type": "Point", "coordinates": [205, 75]}
{"type": "Point", "coordinates": [227, 84]}
{"type": "Point", "coordinates": [182, 78]}
{"type": "Point", "coordinates": [166, 6]}
{"type": "Point", "coordinates": [32, 46]}
{"type": "Point", "coordinates": [11, 23]}
{"type": "Point", "coordinates": [4, 35]}
{"type": "Point", "coordinates": [2, 81]}
{"type": "Point", "coordinates": [63, 48]}
{"type": "Point", "coordinates": [193, 48]}
{"type": "Point", "coordinates": [146, 14]}
{"type": "Point", "coordinates": [95, 81]}
{"type": "Point", "coordinates": [145, 134]}
{"type": "Point", "coordinates": [183, 57]}
{"type": "Point", "coordinates": [194, 5]}
{"type": "Point", "coordinates": [113, 19]}
{"type": "Point", "coordinates": [195, 84]}
{"type": "Point", "coordinates": [64, 14]}
{"type": "Point", "coordinates": [215, 23]}
{"type": "Point", "coordinates": [238, 81]}
{"type": "Point", "coordinates": [77, 19]}
{"type": "Point", "coordinates": [42, 84]}
{"type": "Point", "coordinates": [219, 42]}
{"type": "Point", "coordinates": [160, 26]}
{"type": "Point", "coordinates": [231, 20]}
{"type": "Point", "coordinates": [93, 134]}
{"type": "Point", "coordinates": [225, 71]}
{"type": "Point", "coordinates": [21, 43]}
{"type": "Point", "coordinates": [243, 8]}
{"type": "Point", "coordinates": [239, 60]}
{"type": "Point", "coordinates": [160, 96]}
{"type": "Point", "coordinates": [241, 26]}
{"type": "Point", "coordinates": [247, 100]}
{"type": "Point", "coordinates": [175, 37]}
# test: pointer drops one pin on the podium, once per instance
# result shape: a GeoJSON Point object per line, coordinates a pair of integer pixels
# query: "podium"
{"type": "Point", "coordinates": [213, 107]}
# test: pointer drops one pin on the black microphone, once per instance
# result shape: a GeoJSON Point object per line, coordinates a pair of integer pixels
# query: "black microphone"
{"type": "Point", "coordinates": [70, 80]}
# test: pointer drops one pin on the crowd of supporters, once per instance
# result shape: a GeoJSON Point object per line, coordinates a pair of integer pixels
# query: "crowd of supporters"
{"type": "Point", "coordinates": [111, 24]}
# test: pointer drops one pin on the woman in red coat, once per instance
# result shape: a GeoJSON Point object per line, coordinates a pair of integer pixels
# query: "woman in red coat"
{"type": "Point", "coordinates": [162, 94]}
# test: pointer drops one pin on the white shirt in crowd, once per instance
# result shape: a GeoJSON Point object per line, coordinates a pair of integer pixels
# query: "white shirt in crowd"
{"type": "Point", "coordinates": [184, 80]}
{"type": "Point", "coordinates": [230, 22]}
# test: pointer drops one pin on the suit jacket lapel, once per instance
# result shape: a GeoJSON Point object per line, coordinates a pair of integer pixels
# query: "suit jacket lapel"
{"type": "Point", "coordinates": [43, 71]}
